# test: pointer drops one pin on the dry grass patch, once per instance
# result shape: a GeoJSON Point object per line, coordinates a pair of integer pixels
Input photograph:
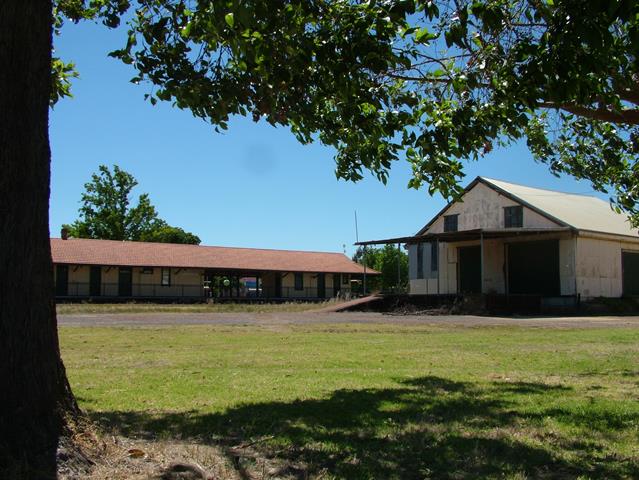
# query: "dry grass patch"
{"type": "Point", "coordinates": [111, 308]}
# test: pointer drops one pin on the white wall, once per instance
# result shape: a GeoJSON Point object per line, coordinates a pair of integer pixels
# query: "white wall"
{"type": "Point", "coordinates": [310, 281]}
{"type": "Point", "coordinates": [187, 282]}
{"type": "Point", "coordinates": [599, 271]}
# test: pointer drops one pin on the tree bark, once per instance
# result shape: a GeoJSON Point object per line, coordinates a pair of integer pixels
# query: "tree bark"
{"type": "Point", "coordinates": [34, 391]}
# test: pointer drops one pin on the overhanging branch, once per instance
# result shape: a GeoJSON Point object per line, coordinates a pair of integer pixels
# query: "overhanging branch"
{"type": "Point", "coordinates": [628, 117]}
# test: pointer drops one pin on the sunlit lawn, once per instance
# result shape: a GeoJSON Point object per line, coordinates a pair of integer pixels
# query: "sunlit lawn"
{"type": "Point", "coordinates": [375, 401]}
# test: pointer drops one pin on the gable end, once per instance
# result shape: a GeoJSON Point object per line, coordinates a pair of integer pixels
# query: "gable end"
{"type": "Point", "coordinates": [504, 193]}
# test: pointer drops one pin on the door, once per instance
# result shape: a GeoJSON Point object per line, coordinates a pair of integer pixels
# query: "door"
{"type": "Point", "coordinates": [337, 279]}
{"type": "Point", "coordinates": [278, 285]}
{"type": "Point", "coordinates": [630, 273]}
{"type": "Point", "coordinates": [469, 269]}
{"type": "Point", "coordinates": [321, 285]}
{"type": "Point", "coordinates": [61, 280]}
{"type": "Point", "coordinates": [95, 281]}
{"type": "Point", "coordinates": [125, 282]}
{"type": "Point", "coordinates": [533, 268]}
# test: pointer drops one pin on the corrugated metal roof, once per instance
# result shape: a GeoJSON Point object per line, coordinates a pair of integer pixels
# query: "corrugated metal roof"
{"type": "Point", "coordinates": [582, 212]}
{"type": "Point", "coordinates": [80, 251]}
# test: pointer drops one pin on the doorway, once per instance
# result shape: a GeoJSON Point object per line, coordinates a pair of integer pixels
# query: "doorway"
{"type": "Point", "coordinates": [62, 280]}
{"type": "Point", "coordinates": [469, 269]}
{"type": "Point", "coordinates": [321, 285]}
{"type": "Point", "coordinates": [95, 281]}
{"type": "Point", "coordinates": [337, 284]}
{"type": "Point", "coordinates": [630, 273]}
{"type": "Point", "coordinates": [533, 268]}
{"type": "Point", "coordinates": [125, 282]}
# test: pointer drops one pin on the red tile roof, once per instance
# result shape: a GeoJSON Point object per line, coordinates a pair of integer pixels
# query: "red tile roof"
{"type": "Point", "coordinates": [80, 251]}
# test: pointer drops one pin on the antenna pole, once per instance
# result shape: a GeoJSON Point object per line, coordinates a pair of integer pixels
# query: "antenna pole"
{"type": "Point", "coordinates": [364, 252]}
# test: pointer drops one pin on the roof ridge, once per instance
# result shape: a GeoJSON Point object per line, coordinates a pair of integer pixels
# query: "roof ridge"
{"type": "Point", "coordinates": [491, 180]}
{"type": "Point", "coordinates": [203, 246]}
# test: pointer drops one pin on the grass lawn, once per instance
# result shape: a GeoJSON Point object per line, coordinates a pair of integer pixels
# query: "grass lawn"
{"type": "Point", "coordinates": [374, 401]}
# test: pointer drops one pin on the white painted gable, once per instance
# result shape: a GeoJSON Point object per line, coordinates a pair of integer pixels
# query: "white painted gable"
{"type": "Point", "coordinates": [483, 207]}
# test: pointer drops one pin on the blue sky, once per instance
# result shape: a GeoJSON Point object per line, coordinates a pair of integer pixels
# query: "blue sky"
{"type": "Point", "coordinates": [252, 186]}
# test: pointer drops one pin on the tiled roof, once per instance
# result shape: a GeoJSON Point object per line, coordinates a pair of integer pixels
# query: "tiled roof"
{"type": "Point", "coordinates": [117, 253]}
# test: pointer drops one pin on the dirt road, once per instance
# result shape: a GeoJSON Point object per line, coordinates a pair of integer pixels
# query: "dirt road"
{"type": "Point", "coordinates": [142, 319]}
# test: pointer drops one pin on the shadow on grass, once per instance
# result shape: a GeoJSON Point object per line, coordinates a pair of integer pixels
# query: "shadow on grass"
{"type": "Point", "coordinates": [428, 427]}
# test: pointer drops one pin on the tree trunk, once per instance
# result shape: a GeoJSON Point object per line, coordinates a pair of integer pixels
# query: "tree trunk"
{"type": "Point", "coordinates": [34, 392]}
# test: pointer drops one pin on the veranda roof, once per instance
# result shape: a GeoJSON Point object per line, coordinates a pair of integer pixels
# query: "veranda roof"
{"type": "Point", "coordinates": [475, 234]}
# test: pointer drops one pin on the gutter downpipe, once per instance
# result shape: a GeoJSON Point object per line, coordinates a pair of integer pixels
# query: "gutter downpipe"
{"type": "Point", "coordinates": [574, 267]}
{"type": "Point", "coordinates": [481, 254]}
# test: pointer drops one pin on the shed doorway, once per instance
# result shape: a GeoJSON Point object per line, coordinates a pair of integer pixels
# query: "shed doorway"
{"type": "Point", "coordinates": [533, 268]}
{"type": "Point", "coordinates": [630, 273]}
{"type": "Point", "coordinates": [469, 269]}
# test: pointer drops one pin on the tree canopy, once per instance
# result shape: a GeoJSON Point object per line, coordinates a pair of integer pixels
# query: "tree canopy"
{"type": "Point", "coordinates": [434, 82]}
{"type": "Point", "coordinates": [106, 212]}
{"type": "Point", "coordinates": [384, 260]}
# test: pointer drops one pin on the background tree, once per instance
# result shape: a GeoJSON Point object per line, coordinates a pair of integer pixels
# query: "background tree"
{"type": "Point", "coordinates": [106, 212]}
{"type": "Point", "coordinates": [164, 233]}
{"type": "Point", "coordinates": [384, 260]}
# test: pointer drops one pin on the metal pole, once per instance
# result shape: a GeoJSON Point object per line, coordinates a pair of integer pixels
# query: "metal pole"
{"type": "Point", "coordinates": [364, 269]}
{"type": "Point", "coordinates": [399, 267]}
{"type": "Point", "coordinates": [439, 266]}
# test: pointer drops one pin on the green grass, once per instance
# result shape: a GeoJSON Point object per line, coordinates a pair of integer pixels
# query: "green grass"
{"type": "Point", "coordinates": [375, 401]}
{"type": "Point", "coordinates": [83, 308]}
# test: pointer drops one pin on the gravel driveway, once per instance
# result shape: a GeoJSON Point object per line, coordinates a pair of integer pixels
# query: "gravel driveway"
{"type": "Point", "coordinates": [141, 319]}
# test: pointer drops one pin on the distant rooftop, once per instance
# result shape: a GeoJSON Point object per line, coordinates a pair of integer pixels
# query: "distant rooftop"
{"type": "Point", "coordinates": [79, 251]}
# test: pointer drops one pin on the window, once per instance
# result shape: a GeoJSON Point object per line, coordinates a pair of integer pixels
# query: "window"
{"type": "Point", "coordinates": [514, 217]}
{"type": "Point", "coordinates": [420, 260]}
{"type": "Point", "coordinates": [166, 277]}
{"type": "Point", "coordinates": [450, 223]}
{"type": "Point", "coordinates": [146, 271]}
{"type": "Point", "coordinates": [434, 256]}
{"type": "Point", "coordinates": [346, 279]}
{"type": "Point", "coordinates": [299, 281]}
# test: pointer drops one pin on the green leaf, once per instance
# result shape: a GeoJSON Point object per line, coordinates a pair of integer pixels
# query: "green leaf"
{"type": "Point", "coordinates": [423, 35]}
{"type": "Point", "coordinates": [230, 19]}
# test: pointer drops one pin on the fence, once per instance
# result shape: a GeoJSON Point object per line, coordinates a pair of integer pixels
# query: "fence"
{"type": "Point", "coordinates": [148, 290]}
